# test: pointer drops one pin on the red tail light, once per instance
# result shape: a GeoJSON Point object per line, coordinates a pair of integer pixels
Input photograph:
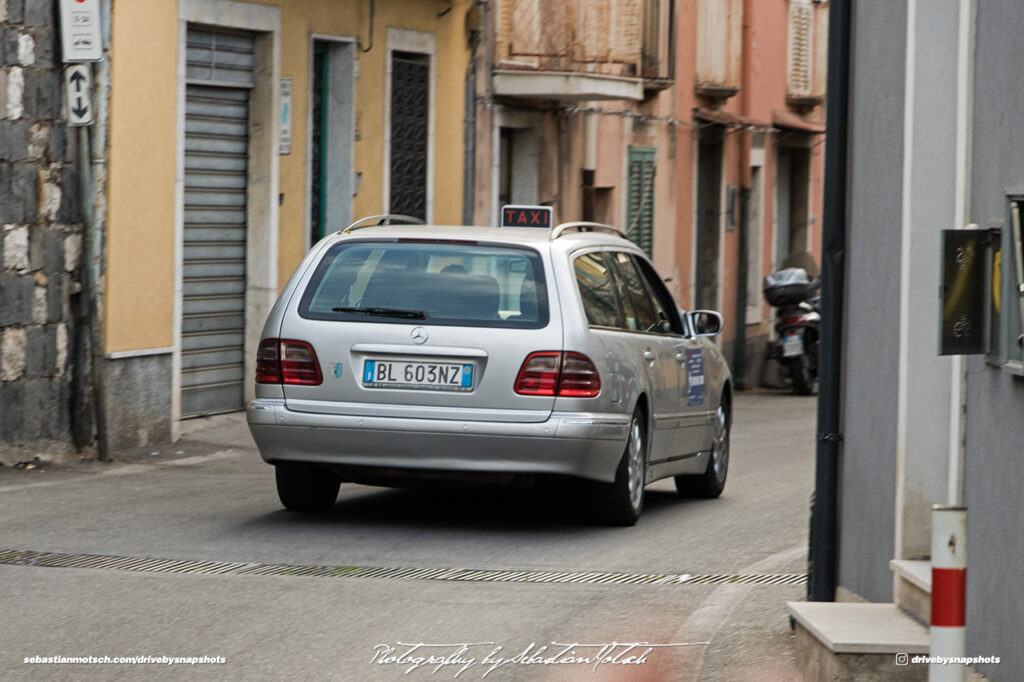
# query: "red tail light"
{"type": "Point", "coordinates": [579, 378]}
{"type": "Point", "coordinates": [284, 361]}
{"type": "Point", "coordinates": [552, 373]}
{"type": "Point", "coordinates": [539, 373]}
{"type": "Point", "coordinates": [299, 364]}
{"type": "Point", "coordinates": [268, 365]}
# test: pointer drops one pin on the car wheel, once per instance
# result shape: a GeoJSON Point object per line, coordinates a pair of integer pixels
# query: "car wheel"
{"type": "Point", "coordinates": [306, 487]}
{"type": "Point", "coordinates": [620, 503]}
{"type": "Point", "coordinates": [711, 483]}
{"type": "Point", "coordinates": [800, 372]}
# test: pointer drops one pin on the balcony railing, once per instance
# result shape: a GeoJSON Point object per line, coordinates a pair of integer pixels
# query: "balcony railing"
{"type": "Point", "coordinates": [582, 49]}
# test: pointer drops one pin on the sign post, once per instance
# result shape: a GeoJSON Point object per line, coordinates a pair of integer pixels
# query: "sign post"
{"type": "Point", "coordinates": [78, 89]}
{"type": "Point", "coordinates": [82, 43]}
{"type": "Point", "coordinates": [285, 143]}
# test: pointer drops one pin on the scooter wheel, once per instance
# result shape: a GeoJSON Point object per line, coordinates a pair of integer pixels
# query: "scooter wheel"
{"type": "Point", "coordinates": [800, 373]}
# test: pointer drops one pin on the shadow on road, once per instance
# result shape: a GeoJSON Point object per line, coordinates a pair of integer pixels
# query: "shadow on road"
{"type": "Point", "coordinates": [549, 509]}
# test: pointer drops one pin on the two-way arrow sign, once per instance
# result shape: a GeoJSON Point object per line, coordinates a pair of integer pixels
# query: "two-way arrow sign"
{"type": "Point", "coordinates": [78, 88]}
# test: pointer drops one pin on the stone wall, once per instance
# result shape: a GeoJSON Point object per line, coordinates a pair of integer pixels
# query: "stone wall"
{"type": "Point", "coordinates": [41, 240]}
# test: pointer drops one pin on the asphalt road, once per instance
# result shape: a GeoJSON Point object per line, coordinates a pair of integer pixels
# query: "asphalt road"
{"type": "Point", "coordinates": [209, 498]}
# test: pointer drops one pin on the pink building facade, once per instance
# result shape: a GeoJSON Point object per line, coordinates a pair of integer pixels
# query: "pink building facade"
{"type": "Point", "coordinates": [696, 125]}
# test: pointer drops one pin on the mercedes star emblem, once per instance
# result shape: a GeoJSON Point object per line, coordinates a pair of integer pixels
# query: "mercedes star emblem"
{"type": "Point", "coordinates": [418, 335]}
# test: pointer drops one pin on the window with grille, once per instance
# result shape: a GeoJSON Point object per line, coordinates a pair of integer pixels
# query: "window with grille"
{"type": "Point", "coordinates": [410, 111]}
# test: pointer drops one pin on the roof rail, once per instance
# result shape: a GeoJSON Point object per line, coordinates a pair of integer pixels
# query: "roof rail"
{"type": "Point", "coordinates": [386, 219]}
{"type": "Point", "coordinates": [586, 227]}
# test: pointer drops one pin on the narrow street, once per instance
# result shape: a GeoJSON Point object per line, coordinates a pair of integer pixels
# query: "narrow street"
{"type": "Point", "coordinates": [485, 569]}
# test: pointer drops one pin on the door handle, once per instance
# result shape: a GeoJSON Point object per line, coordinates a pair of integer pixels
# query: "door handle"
{"type": "Point", "coordinates": [649, 356]}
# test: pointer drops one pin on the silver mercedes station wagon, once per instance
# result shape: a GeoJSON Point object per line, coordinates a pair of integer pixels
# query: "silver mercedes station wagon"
{"type": "Point", "coordinates": [401, 353]}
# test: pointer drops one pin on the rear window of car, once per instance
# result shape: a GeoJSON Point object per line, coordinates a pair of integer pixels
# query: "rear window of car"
{"type": "Point", "coordinates": [429, 282]}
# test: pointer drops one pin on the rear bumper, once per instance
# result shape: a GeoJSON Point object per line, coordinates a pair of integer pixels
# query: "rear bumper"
{"type": "Point", "coordinates": [581, 445]}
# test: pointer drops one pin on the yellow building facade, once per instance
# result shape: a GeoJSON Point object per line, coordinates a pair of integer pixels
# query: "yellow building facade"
{"type": "Point", "coordinates": [238, 134]}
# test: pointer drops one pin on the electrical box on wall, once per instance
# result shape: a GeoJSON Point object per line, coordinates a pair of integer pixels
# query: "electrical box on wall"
{"type": "Point", "coordinates": [80, 31]}
{"type": "Point", "coordinates": [966, 292]}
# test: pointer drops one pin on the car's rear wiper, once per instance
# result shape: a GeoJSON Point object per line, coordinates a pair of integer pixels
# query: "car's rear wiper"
{"type": "Point", "coordinates": [385, 312]}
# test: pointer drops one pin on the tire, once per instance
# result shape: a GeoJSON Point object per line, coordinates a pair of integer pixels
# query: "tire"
{"type": "Point", "coordinates": [306, 487]}
{"type": "Point", "coordinates": [620, 503]}
{"type": "Point", "coordinates": [711, 483]}
{"type": "Point", "coordinates": [799, 371]}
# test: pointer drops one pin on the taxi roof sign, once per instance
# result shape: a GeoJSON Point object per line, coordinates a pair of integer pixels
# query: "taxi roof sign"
{"type": "Point", "coordinates": [526, 216]}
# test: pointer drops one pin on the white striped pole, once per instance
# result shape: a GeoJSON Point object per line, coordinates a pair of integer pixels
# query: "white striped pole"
{"type": "Point", "coordinates": [949, 592]}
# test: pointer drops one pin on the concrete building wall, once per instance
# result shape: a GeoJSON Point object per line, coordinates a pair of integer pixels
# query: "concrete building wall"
{"type": "Point", "coordinates": [143, 141]}
{"type": "Point", "coordinates": [143, 279]}
{"type": "Point", "coordinates": [140, 234]}
{"type": "Point", "coordinates": [994, 465]}
{"type": "Point", "coordinates": [40, 242]}
{"type": "Point", "coordinates": [994, 469]}
{"type": "Point", "coordinates": [872, 322]}
{"type": "Point", "coordinates": [729, 80]}
{"type": "Point", "coordinates": [930, 205]}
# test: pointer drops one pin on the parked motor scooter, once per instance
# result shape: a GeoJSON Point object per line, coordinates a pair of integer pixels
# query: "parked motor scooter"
{"type": "Point", "coordinates": [797, 321]}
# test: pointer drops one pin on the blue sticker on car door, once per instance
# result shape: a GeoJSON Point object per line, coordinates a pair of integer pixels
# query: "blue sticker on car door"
{"type": "Point", "coordinates": [694, 377]}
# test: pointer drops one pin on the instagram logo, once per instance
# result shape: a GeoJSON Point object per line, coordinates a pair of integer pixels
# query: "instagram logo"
{"type": "Point", "coordinates": [902, 659]}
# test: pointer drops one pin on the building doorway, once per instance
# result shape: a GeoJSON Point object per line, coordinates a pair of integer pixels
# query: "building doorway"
{"type": "Point", "coordinates": [331, 162]}
{"type": "Point", "coordinates": [220, 79]}
{"type": "Point", "coordinates": [792, 201]}
{"type": "Point", "coordinates": [709, 214]}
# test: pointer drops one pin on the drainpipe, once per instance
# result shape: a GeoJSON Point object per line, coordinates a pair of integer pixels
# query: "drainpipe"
{"type": "Point", "coordinates": [474, 24]}
{"type": "Point", "coordinates": [739, 360]}
{"type": "Point", "coordinates": [92, 178]}
{"type": "Point", "coordinates": [958, 389]}
{"type": "Point", "coordinates": [823, 549]}
{"type": "Point", "coordinates": [469, 143]}
{"type": "Point", "coordinates": [92, 250]}
{"type": "Point", "coordinates": [589, 162]}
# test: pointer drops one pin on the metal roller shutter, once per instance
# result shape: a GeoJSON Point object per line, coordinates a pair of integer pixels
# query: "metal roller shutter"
{"type": "Point", "coordinates": [213, 273]}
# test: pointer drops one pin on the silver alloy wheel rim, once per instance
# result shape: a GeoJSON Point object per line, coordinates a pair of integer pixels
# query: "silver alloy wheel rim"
{"type": "Point", "coordinates": [635, 463]}
{"type": "Point", "coordinates": [720, 449]}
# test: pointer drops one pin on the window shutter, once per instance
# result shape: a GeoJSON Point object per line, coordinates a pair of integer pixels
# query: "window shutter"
{"type": "Point", "coordinates": [801, 42]}
{"type": "Point", "coordinates": [640, 218]}
{"type": "Point", "coordinates": [719, 47]}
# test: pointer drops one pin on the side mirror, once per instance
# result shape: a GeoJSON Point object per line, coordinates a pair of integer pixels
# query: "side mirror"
{"type": "Point", "coordinates": [704, 322]}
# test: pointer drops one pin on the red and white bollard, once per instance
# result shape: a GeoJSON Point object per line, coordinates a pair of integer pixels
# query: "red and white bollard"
{"type": "Point", "coordinates": [949, 592]}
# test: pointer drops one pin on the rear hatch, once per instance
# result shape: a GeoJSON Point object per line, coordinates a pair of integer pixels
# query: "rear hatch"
{"type": "Point", "coordinates": [424, 328]}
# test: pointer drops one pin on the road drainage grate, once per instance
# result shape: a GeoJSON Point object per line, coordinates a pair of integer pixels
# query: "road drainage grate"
{"type": "Point", "coordinates": [147, 565]}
